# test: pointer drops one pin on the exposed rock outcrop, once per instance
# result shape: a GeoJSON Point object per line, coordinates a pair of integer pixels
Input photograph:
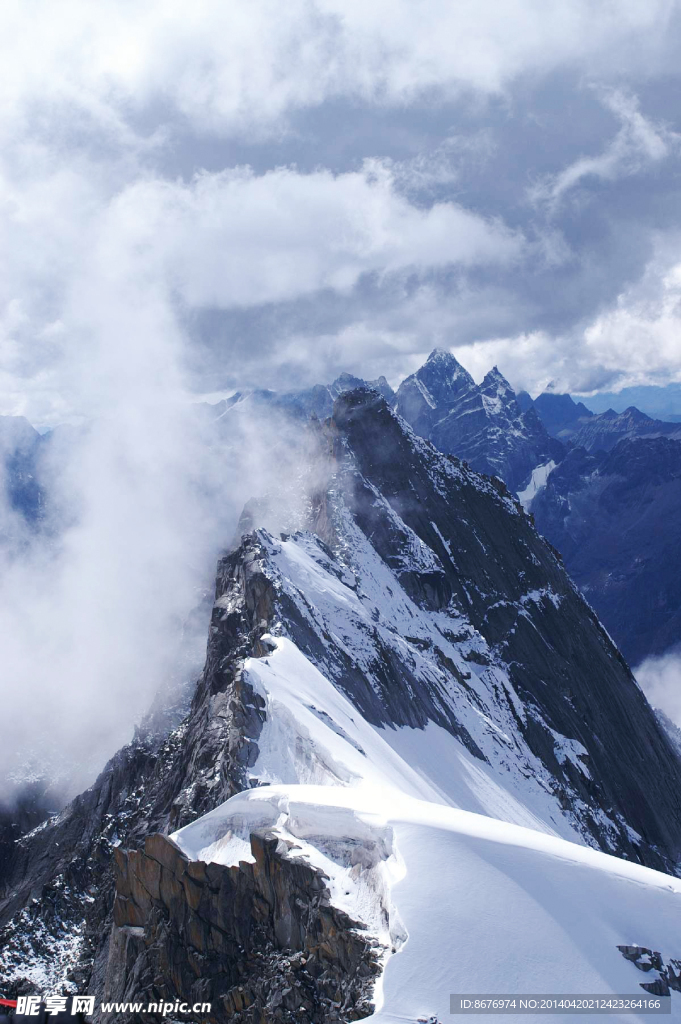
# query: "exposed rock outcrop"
{"type": "Point", "coordinates": [664, 977]}
{"type": "Point", "coordinates": [259, 941]}
{"type": "Point", "coordinates": [56, 887]}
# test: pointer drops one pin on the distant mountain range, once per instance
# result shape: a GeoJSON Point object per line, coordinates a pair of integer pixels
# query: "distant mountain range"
{"type": "Point", "coordinates": [662, 403]}
{"type": "Point", "coordinates": [572, 422]}
{"type": "Point", "coordinates": [302, 404]}
{"type": "Point", "coordinates": [482, 424]}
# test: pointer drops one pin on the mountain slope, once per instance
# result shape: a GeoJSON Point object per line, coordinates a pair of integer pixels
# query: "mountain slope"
{"type": "Point", "coordinates": [615, 518]}
{"type": "Point", "coordinates": [482, 424]}
{"type": "Point", "coordinates": [461, 892]}
{"type": "Point", "coordinates": [418, 634]}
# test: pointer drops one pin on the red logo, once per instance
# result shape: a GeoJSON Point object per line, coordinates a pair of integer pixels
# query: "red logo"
{"type": "Point", "coordinates": [8, 1002]}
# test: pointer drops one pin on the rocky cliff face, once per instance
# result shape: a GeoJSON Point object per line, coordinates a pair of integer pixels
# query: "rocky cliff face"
{"type": "Point", "coordinates": [56, 885]}
{"type": "Point", "coordinates": [259, 941]}
{"type": "Point", "coordinates": [419, 611]}
{"type": "Point", "coordinates": [563, 665]}
{"type": "Point", "coordinates": [483, 425]}
{"type": "Point", "coordinates": [615, 518]}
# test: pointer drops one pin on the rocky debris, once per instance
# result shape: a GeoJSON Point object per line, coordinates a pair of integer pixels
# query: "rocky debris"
{"type": "Point", "coordinates": [647, 960]}
{"type": "Point", "coordinates": [259, 941]}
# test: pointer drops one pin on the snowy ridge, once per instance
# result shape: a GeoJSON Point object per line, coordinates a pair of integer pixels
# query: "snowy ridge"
{"type": "Point", "coordinates": [350, 609]}
{"type": "Point", "coordinates": [420, 873]}
{"type": "Point", "coordinates": [395, 750]}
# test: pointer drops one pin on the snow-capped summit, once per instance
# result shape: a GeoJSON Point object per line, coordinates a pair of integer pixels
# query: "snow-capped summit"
{"type": "Point", "coordinates": [482, 424]}
{"type": "Point", "coordinates": [425, 396]}
{"type": "Point", "coordinates": [412, 738]}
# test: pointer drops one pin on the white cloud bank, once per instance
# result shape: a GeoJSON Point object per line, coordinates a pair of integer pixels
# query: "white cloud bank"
{"type": "Point", "coordinates": [660, 678]}
{"type": "Point", "coordinates": [240, 239]}
{"type": "Point", "coordinates": [242, 66]}
{"type": "Point", "coordinates": [233, 239]}
{"type": "Point", "coordinates": [636, 340]}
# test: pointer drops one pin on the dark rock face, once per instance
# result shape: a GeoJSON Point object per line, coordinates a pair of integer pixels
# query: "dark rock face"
{"type": "Point", "coordinates": [662, 977]}
{"type": "Point", "coordinates": [561, 661]}
{"type": "Point", "coordinates": [524, 400]}
{"type": "Point", "coordinates": [483, 425]}
{"type": "Point", "coordinates": [672, 730]}
{"type": "Point", "coordinates": [30, 806]}
{"type": "Point", "coordinates": [260, 941]}
{"type": "Point", "coordinates": [59, 878]}
{"type": "Point", "coordinates": [615, 519]}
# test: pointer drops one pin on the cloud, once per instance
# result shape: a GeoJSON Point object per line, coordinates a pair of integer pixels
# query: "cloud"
{"type": "Point", "coordinates": [240, 239]}
{"type": "Point", "coordinates": [233, 239]}
{"type": "Point", "coordinates": [660, 679]}
{"type": "Point", "coordinates": [634, 340]}
{"type": "Point", "coordinates": [638, 144]}
{"type": "Point", "coordinates": [105, 607]}
{"type": "Point", "coordinates": [244, 66]}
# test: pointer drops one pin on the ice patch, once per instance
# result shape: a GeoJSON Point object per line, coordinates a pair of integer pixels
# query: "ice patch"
{"type": "Point", "coordinates": [537, 483]}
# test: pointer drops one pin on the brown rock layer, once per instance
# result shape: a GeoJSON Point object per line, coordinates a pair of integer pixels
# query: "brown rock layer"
{"type": "Point", "coordinates": [260, 941]}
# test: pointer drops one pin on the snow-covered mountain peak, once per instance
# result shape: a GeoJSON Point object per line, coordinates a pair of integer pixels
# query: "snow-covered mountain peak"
{"type": "Point", "coordinates": [482, 424]}
{"type": "Point", "coordinates": [444, 358]}
{"type": "Point", "coordinates": [408, 718]}
{"type": "Point", "coordinates": [432, 581]}
{"type": "Point", "coordinates": [495, 378]}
